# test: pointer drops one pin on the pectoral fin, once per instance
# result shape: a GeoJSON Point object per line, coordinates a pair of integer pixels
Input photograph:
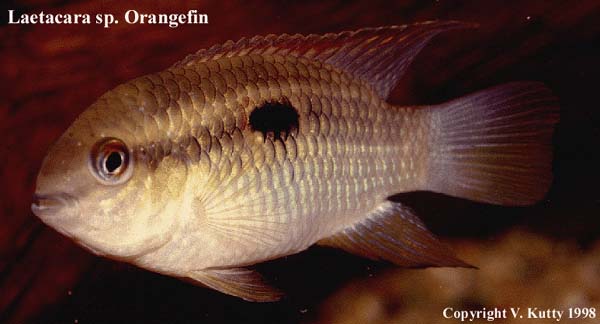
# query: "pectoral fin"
{"type": "Point", "coordinates": [240, 282]}
{"type": "Point", "coordinates": [394, 233]}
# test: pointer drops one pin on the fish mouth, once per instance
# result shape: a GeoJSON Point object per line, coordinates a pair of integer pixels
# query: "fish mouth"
{"type": "Point", "coordinates": [48, 205]}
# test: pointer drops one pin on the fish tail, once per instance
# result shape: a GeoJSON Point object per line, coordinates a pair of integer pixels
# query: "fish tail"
{"type": "Point", "coordinates": [494, 146]}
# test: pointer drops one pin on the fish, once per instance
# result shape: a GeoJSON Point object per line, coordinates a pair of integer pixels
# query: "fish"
{"type": "Point", "coordinates": [257, 149]}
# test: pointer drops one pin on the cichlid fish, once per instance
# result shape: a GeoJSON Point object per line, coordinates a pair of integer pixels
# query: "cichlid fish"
{"type": "Point", "coordinates": [260, 148]}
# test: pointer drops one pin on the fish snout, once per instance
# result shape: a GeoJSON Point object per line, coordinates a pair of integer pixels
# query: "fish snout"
{"type": "Point", "coordinates": [49, 205]}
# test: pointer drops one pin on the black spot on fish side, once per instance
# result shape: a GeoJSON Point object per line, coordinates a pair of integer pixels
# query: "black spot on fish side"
{"type": "Point", "coordinates": [277, 119]}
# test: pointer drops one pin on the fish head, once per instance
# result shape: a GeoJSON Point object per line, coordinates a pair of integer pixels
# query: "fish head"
{"type": "Point", "coordinates": [98, 186]}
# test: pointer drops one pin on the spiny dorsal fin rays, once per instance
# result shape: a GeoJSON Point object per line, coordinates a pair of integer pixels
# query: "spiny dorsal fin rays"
{"type": "Point", "coordinates": [378, 56]}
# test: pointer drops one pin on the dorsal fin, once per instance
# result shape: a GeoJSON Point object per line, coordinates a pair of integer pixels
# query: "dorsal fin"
{"type": "Point", "coordinates": [378, 56]}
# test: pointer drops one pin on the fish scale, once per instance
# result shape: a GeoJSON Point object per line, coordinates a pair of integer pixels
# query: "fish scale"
{"type": "Point", "coordinates": [313, 150]}
{"type": "Point", "coordinates": [309, 141]}
{"type": "Point", "coordinates": [257, 149]}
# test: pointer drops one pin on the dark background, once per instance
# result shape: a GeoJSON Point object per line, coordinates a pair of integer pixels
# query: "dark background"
{"type": "Point", "coordinates": [51, 73]}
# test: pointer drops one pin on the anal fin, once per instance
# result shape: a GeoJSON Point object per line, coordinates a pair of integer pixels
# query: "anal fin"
{"type": "Point", "coordinates": [240, 282]}
{"type": "Point", "coordinates": [394, 233]}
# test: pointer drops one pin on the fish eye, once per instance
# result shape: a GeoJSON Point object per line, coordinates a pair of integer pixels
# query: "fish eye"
{"type": "Point", "coordinates": [110, 161]}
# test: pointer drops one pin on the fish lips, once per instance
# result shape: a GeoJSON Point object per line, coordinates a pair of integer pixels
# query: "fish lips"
{"type": "Point", "coordinates": [49, 207]}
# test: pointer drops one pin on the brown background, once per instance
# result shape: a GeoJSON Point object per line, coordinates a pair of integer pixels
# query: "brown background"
{"type": "Point", "coordinates": [50, 73]}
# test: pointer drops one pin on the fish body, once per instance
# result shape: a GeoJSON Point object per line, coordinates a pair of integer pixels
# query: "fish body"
{"type": "Point", "coordinates": [260, 148]}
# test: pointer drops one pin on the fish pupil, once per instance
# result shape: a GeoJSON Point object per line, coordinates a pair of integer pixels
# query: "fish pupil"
{"type": "Point", "coordinates": [113, 162]}
{"type": "Point", "coordinates": [274, 118]}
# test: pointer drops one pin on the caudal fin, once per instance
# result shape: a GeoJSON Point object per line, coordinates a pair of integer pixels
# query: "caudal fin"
{"type": "Point", "coordinates": [495, 145]}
